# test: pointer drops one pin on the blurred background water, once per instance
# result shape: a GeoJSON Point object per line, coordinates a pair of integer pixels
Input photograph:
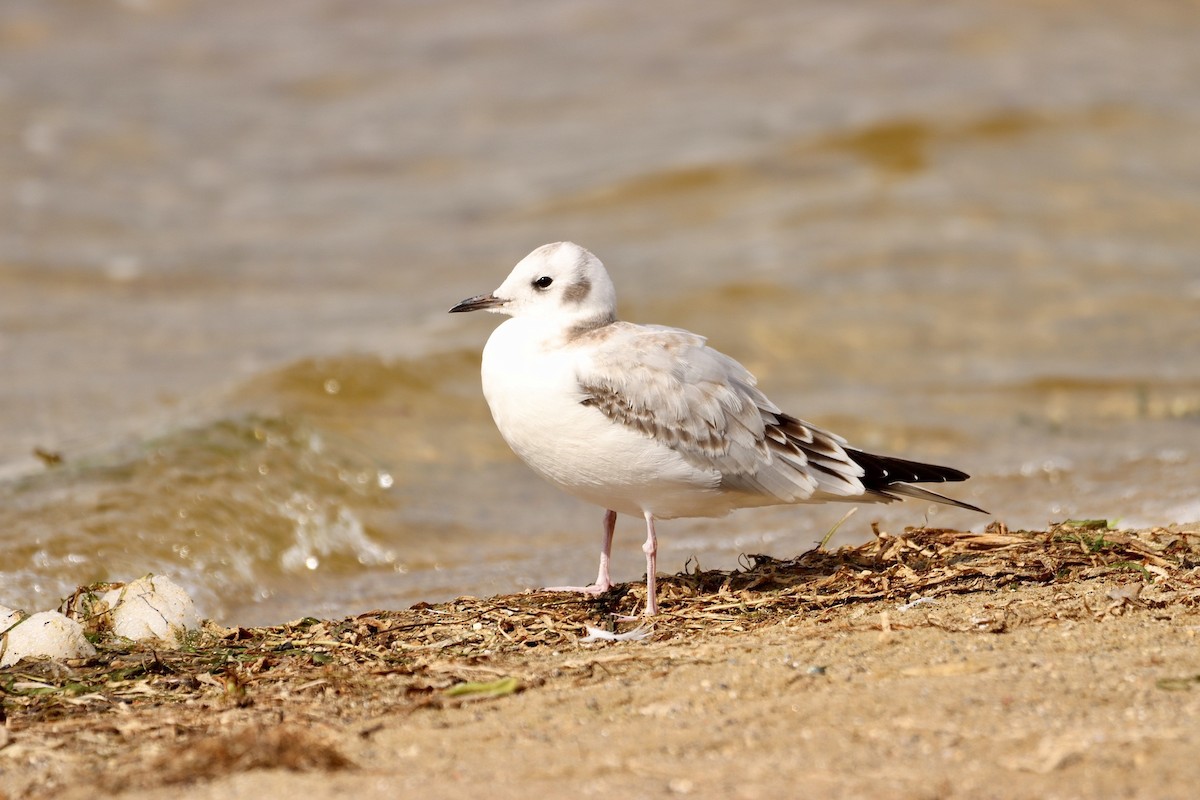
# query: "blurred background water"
{"type": "Point", "coordinates": [229, 233]}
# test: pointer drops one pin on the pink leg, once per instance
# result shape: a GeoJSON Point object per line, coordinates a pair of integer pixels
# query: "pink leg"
{"type": "Point", "coordinates": [603, 579]}
{"type": "Point", "coordinates": [650, 548]}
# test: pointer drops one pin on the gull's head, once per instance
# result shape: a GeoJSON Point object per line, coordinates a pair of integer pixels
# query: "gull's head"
{"type": "Point", "coordinates": [560, 282]}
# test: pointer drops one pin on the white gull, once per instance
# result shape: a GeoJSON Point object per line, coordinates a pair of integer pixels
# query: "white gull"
{"type": "Point", "coordinates": [648, 420]}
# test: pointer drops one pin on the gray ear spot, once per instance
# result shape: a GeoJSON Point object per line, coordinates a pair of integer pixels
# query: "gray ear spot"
{"type": "Point", "coordinates": [577, 292]}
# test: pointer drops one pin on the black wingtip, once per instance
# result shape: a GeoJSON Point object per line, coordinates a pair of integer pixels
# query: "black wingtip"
{"type": "Point", "coordinates": [883, 470]}
{"type": "Point", "coordinates": [899, 491]}
{"type": "Point", "coordinates": [890, 476]}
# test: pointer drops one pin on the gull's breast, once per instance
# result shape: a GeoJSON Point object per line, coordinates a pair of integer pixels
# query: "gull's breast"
{"type": "Point", "coordinates": [535, 399]}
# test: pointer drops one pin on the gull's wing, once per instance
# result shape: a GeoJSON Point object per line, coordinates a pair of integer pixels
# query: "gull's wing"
{"type": "Point", "coordinates": [669, 386]}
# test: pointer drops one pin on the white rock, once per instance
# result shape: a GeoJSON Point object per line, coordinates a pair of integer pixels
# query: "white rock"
{"type": "Point", "coordinates": [153, 607]}
{"type": "Point", "coordinates": [47, 633]}
{"type": "Point", "coordinates": [7, 617]}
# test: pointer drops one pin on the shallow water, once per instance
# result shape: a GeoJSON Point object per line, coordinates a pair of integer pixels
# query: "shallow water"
{"type": "Point", "coordinates": [960, 234]}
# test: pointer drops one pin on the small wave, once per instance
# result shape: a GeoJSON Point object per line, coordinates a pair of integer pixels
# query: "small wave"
{"type": "Point", "coordinates": [230, 509]}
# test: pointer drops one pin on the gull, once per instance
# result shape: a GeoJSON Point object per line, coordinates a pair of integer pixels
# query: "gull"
{"type": "Point", "coordinates": [650, 421]}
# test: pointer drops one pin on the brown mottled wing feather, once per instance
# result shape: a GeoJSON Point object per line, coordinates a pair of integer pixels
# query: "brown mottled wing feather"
{"type": "Point", "coordinates": [669, 386]}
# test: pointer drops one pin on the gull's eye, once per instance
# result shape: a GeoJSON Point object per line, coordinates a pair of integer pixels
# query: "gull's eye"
{"type": "Point", "coordinates": [543, 282]}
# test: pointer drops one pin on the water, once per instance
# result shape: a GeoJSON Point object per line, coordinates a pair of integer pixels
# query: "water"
{"type": "Point", "coordinates": [961, 234]}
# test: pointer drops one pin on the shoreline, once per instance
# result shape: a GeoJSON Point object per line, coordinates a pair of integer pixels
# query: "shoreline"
{"type": "Point", "coordinates": [934, 663]}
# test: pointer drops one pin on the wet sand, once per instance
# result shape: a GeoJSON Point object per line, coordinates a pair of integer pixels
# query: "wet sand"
{"type": "Point", "coordinates": [1058, 663]}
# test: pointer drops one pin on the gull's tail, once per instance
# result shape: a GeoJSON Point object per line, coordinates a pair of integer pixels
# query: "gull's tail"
{"type": "Point", "coordinates": [892, 478]}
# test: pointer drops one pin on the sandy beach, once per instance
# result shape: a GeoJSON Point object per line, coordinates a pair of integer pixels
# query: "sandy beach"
{"type": "Point", "coordinates": [934, 663]}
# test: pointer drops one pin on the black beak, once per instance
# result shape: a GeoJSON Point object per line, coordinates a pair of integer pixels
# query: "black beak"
{"type": "Point", "coordinates": [483, 301]}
